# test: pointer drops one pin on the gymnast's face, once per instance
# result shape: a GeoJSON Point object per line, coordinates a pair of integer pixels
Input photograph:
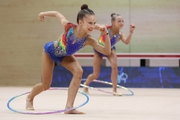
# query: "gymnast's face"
{"type": "Point", "coordinates": [118, 22]}
{"type": "Point", "coordinates": [88, 23]}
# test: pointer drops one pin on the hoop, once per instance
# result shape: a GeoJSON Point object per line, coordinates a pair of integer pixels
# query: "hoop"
{"type": "Point", "coordinates": [108, 83]}
{"type": "Point", "coordinates": [49, 112]}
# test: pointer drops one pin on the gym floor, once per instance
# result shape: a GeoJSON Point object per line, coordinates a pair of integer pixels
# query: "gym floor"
{"type": "Point", "coordinates": [146, 104]}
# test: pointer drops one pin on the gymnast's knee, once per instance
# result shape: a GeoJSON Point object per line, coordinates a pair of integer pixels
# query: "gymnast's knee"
{"type": "Point", "coordinates": [95, 75]}
{"type": "Point", "coordinates": [45, 87]}
{"type": "Point", "coordinates": [78, 73]}
{"type": "Point", "coordinates": [114, 67]}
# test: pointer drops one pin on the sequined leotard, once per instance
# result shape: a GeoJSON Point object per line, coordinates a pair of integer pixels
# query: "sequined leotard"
{"type": "Point", "coordinates": [67, 45]}
{"type": "Point", "coordinates": [113, 40]}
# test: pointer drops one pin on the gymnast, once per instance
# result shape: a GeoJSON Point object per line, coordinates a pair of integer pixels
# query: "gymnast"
{"type": "Point", "coordinates": [117, 23]}
{"type": "Point", "coordinates": [74, 38]}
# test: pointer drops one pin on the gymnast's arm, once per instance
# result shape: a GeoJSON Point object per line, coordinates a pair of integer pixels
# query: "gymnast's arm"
{"type": "Point", "coordinates": [99, 27]}
{"type": "Point", "coordinates": [56, 14]}
{"type": "Point", "coordinates": [128, 39]}
{"type": "Point", "coordinates": [102, 49]}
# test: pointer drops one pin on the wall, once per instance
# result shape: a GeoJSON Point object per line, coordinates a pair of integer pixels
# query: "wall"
{"type": "Point", "coordinates": [136, 77]}
{"type": "Point", "coordinates": [23, 36]}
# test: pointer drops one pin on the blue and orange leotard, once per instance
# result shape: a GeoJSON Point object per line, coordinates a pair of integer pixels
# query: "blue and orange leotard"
{"type": "Point", "coordinates": [67, 44]}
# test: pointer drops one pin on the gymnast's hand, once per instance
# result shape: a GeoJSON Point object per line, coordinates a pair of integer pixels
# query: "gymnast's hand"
{"type": "Point", "coordinates": [103, 29]}
{"type": "Point", "coordinates": [132, 27]}
{"type": "Point", "coordinates": [41, 17]}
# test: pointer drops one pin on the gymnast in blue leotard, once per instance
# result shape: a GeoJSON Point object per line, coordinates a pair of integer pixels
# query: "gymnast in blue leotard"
{"type": "Point", "coordinates": [74, 38]}
{"type": "Point", "coordinates": [117, 22]}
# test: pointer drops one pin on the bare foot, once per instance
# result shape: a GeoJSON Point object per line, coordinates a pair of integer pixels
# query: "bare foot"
{"type": "Point", "coordinates": [117, 94]}
{"type": "Point", "coordinates": [86, 90]}
{"type": "Point", "coordinates": [74, 112]}
{"type": "Point", "coordinates": [29, 104]}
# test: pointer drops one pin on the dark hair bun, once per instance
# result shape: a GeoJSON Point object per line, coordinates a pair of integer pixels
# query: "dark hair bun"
{"type": "Point", "coordinates": [112, 14]}
{"type": "Point", "coordinates": [84, 6]}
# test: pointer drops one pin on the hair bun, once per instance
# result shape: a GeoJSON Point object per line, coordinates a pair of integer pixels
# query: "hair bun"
{"type": "Point", "coordinates": [84, 6]}
{"type": "Point", "coordinates": [112, 14]}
